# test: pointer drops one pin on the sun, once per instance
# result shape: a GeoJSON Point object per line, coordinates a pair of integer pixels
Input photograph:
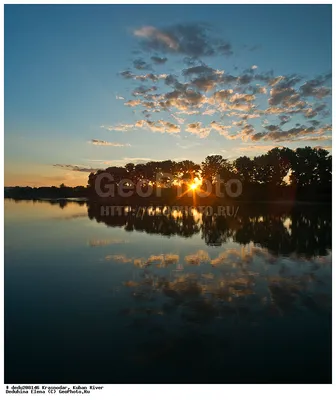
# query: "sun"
{"type": "Point", "coordinates": [193, 186]}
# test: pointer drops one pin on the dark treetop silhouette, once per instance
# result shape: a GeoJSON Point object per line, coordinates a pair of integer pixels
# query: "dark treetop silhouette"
{"type": "Point", "coordinates": [303, 174]}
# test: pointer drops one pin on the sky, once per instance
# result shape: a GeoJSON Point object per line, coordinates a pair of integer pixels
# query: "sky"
{"type": "Point", "coordinates": [91, 86]}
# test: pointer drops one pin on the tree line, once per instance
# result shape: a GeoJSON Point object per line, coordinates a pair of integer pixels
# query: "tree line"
{"type": "Point", "coordinates": [304, 173]}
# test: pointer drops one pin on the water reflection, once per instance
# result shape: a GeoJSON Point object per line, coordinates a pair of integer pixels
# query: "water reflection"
{"type": "Point", "coordinates": [170, 298]}
{"type": "Point", "coordinates": [281, 229]}
{"type": "Point", "coordinates": [197, 307]}
{"type": "Point", "coordinates": [234, 281]}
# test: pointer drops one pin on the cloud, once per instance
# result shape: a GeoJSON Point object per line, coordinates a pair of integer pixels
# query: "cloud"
{"type": "Point", "coordinates": [315, 88]}
{"type": "Point", "coordinates": [309, 90]}
{"type": "Point", "coordinates": [97, 142]}
{"type": "Point", "coordinates": [314, 122]}
{"type": "Point", "coordinates": [241, 106]}
{"type": "Point", "coordinates": [120, 127]}
{"type": "Point", "coordinates": [224, 96]}
{"type": "Point", "coordinates": [282, 110]}
{"type": "Point", "coordinates": [221, 129]}
{"type": "Point", "coordinates": [124, 161]}
{"type": "Point", "coordinates": [238, 123]}
{"type": "Point", "coordinates": [289, 81]}
{"type": "Point", "coordinates": [282, 96]}
{"type": "Point", "coordinates": [136, 160]}
{"type": "Point", "coordinates": [178, 119]}
{"type": "Point", "coordinates": [189, 112]}
{"type": "Point", "coordinates": [172, 80]}
{"type": "Point", "coordinates": [157, 39]}
{"type": "Point", "coordinates": [127, 74]}
{"type": "Point", "coordinates": [132, 103]}
{"type": "Point", "coordinates": [170, 128]}
{"type": "Point", "coordinates": [272, 128]}
{"type": "Point", "coordinates": [75, 168]}
{"type": "Point", "coordinates": [314, 138]}
{"type": "Point", "coordinates": [249, 116]}
{"type": "Point", "coordinates": [209, 111]}
{"type": "Point", "coordinates": [297, 133]}
{"type": "Point", "coordinates": [205, 83]}
{"type": "Point", "coordinates": [150, 76]}
{"type": "Point", "coordinates": [200, 70]}
{"type": "Point", "coordinates": [197, 129]}
{"type": "Point", "coordinates": [225, 49]}
{"type": "Point", "coordinates": [256, 148]}
{"type": "Point", "coordinates": [312, 112]}
{"type": "Point", "coordinates": [246, 131]}
{"type": "Point", "coordinates": [239, 97]}
{"type": "Point", "coordinates": [154, 126]}
{"type": "Point", "coordinates": [204, 77]}
{"type": "Point", "coordinates": [183, 100]}
{"type": "Point", "coordinates": [158, 126]}
{"type": "Point", "coordinates": [274, 81]}
{"type": "Point", "coordinates": [159, 60]}
{"type": "Point", "coordinates": [245, 79]}
{"type": "Point", "coordinates": [143, 90]}
{"type": "Point", "coordinates": [253, 47]}
{"type": "Point", "coordinates": [141, 64]}
{"type": "Point", "coordinates": [284, 119]}
{"type": "Point", "coordinates": [200, 88]}
{"type": "Point", "coordinates": [192, 40]}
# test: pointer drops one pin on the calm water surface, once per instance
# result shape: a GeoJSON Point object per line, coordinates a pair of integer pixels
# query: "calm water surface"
{"type": "Point", "coordinates": [93, 299]}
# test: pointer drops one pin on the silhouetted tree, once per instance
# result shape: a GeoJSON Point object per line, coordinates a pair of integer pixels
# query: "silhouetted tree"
{"type": "Point", "coordinates": [213, 166]}
{"type": "Point", "coordinates": [308, 174]}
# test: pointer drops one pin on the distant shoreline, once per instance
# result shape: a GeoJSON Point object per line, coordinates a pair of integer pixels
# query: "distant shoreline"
{"type": "Point", "coordinates": [178, 202]}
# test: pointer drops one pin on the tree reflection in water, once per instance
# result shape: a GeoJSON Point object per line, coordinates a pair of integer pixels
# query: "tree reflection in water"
{"type": "Point", "coordinates": [281, 229]}
{"type": "Point", "coordinates": [204, 306]}
{"type": "Point", "coordinates": [283, 266]}
{"type": "Point", "coordinates": [251, 303]}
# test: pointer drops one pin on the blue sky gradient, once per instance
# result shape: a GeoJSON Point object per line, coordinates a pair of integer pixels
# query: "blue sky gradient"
{"type": "Point", "coordinates": [64, 85]}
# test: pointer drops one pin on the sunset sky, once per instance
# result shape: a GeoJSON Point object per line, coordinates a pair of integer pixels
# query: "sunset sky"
{"type": "Point", "coordinates": [87, 87]}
